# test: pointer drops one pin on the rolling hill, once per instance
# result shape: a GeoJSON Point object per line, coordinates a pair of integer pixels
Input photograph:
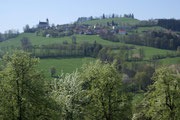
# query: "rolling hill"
{"type": "Point", "coordinates": [120, 21]}
{"type": "Point", "coordinates": [70, 64]}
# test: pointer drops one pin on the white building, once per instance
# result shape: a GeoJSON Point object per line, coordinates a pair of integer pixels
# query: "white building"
{"type": "Point", "coordinates": [43, 25]}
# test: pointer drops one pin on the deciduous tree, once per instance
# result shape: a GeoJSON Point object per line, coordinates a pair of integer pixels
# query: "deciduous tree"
{"type": "Point", "coordinates": [103, 89]}
{"type": "Point", "coordinates": [22, 89]}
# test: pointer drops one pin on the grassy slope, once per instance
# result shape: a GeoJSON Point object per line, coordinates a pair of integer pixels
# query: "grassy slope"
{"type": "Point", "coordinates": [65, 65]}
{"type": "Point", "coordinates": [46, 63]}
{"type": "Point", "coordinates": [149, 51]}
{"type": "Point", "coordinates": [121, 21]}
{"type": "Point", "coordinates": [140, 29]}
{"type": "Point", "coordinates": [175, 60]}
{"type": "Point", "coordinates": [37, 40]}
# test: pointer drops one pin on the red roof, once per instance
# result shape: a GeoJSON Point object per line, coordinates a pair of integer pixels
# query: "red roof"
{"type": "Point", "coordinates": [122, 31]}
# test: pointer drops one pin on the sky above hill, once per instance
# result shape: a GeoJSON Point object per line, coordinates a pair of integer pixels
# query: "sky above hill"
{"type": "Point", "coordinates": [14, 14]}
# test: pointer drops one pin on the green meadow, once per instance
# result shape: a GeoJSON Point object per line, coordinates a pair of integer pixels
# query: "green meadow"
{"type": "Point", "coordinates": [170, 61]}
{"type": "Point", "coordinates": [120, 21]}
{"type": "Point", "coordinates": [154, 28]}
{"type": "Point", "coordinates": [70, 64]}
{"type": "Point", "coordinates": [150, 51]}
{"type": "Point", "coordinates": [63, 65]}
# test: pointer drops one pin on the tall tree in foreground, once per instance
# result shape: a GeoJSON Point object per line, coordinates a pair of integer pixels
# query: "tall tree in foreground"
{"type": "Point", "coordinates": [103, 90]}
{"type": "Point", "coordinates": [22, 95]}
{"type": "Point", "coordinates": [66, 91]}
{"type": "Point", "coordinates": [162, 101]}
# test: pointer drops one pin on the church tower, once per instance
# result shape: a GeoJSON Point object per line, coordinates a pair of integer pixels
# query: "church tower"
{"type": "Point", "coordinates": [47, 21]}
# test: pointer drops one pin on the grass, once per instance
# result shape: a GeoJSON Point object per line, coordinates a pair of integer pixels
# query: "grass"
{"type": "Point", "coordinates": [170, 61]}
{"type": "Point", "coordinates": [150, 51]}
{"type": "Point", "coordinates": [38, 40]}
{"type": "Point", "coordinates": [62, 65]}
{"type": "Point", "coordinates": [65, 65]}
{"type": "Point", "coordinates": [141, 29]}
{"type": "Point", "coordinates": [68, 65]}
{"type": "Point", "coordinates": [120, 21]}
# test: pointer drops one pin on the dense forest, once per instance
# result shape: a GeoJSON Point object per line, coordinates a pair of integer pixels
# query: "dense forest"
{"type": "Point", "coordinates": [155, 39]}
{"type": "Point", "coordinates": [170, 24]}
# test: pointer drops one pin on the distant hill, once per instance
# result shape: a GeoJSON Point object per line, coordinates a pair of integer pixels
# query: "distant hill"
{"type": "Point", "coordinates": [120, 21]}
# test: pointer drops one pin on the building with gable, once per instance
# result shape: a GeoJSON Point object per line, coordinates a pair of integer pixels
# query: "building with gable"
{"type": "Point", "coordinates": [43, 25]}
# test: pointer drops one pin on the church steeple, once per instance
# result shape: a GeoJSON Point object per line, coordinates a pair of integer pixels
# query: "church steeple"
{"type": "Point", "coordinates": [47, 21]}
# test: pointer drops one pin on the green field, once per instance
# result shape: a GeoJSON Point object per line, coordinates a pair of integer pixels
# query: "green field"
{"type": "Point", "coordinates": [155, 28]}
{"type": "Point", "coordinates": [70, 64]}
{"type": "Point", "coordinates": [120, 21]}
{"type": "Point", "coordinates": [65, 65]}
{"type": "Point", "coordinates": [150, 51]}
{"type": "Point", "coordinates": [168, 61]}
{"type": "Point", "coordinates": [38, 40]}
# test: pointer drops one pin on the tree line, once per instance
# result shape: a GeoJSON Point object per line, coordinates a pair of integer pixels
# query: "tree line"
{"type": "Point", "coordinates": [64, 49]}
{"type": "Point", "coordinates": [171, 24]}
{"type": "Point", "coordinates": [155, 39]}
{"type": "Point", "coordinates": [104, 16]}
{"type": "Point", "coordinates": [8, 35]}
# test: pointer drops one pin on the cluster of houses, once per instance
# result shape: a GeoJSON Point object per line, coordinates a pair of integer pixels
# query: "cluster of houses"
{"type": "Point", "coordinates": [86, 29]}
{"type": "Point", "coordinates": [94, 30]}
{"type": "Point", "coordinates": [69, 29]}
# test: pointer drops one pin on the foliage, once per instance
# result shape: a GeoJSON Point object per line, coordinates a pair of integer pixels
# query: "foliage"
{"type": "Point", "coordinates": [170, 24]}
{"type": "Point", "coordinates": [67, 50]}
{"type": "Point", "coordinates": [141, 53]}
{"type": "Point", "coordinates": [140, 79]}
{"type": "Point", "coordinates": [162, 99]}
{"type": "Point", "coordinates": [103, 89]}
{"type": "Point", "coordinates": [65, 65]}
{"type": "Point", "coordinates": [52, 71]}
{"type": "Point", "coordinates": [157, 39]}
{"type": "Point", "coordinates": [74, 40]}
{"type": "Point", "coordinates": [22, 91]}
{"type": "Point", "coordinates": [121, 21]}
{"type": "Point", "coordinates": [8, 35]}
{"type": "Point", "coordinates": [26, 44]}
{"type": "Point", "coordinates": [66, 91]}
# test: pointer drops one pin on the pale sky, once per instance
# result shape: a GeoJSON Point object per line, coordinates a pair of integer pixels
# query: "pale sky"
{"type": "Point", "coordinates": [14, 14]}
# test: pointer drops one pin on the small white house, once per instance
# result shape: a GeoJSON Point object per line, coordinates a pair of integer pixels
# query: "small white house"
{"type": "Point", "coordinates": [48, 36]}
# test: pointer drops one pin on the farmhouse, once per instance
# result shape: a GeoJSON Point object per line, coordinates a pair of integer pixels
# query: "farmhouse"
{"type": "Point", "coordinates": [122, 32]}
{"type": "Point", "coordinates": [88, 32]}
{"type": "Point", "coordinates": [43, 25]}
{"type": "Point", "coordinates": [79, 31]}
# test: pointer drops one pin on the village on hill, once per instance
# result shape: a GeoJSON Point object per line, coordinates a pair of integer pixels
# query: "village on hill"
{"type": "Point", "coordinates": [115, 25]}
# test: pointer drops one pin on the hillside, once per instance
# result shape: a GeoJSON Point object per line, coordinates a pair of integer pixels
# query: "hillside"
{"type": "Point", "coordinates": [120, 21]}
{"type": "Point", "coordinates": [63, 65]}
{"type": "Point", "coordinates": [39, 41]}
{"type": "Point", "coordinates": [69, 64]}
{"type": "Point", "coordinates": [154, 28]}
